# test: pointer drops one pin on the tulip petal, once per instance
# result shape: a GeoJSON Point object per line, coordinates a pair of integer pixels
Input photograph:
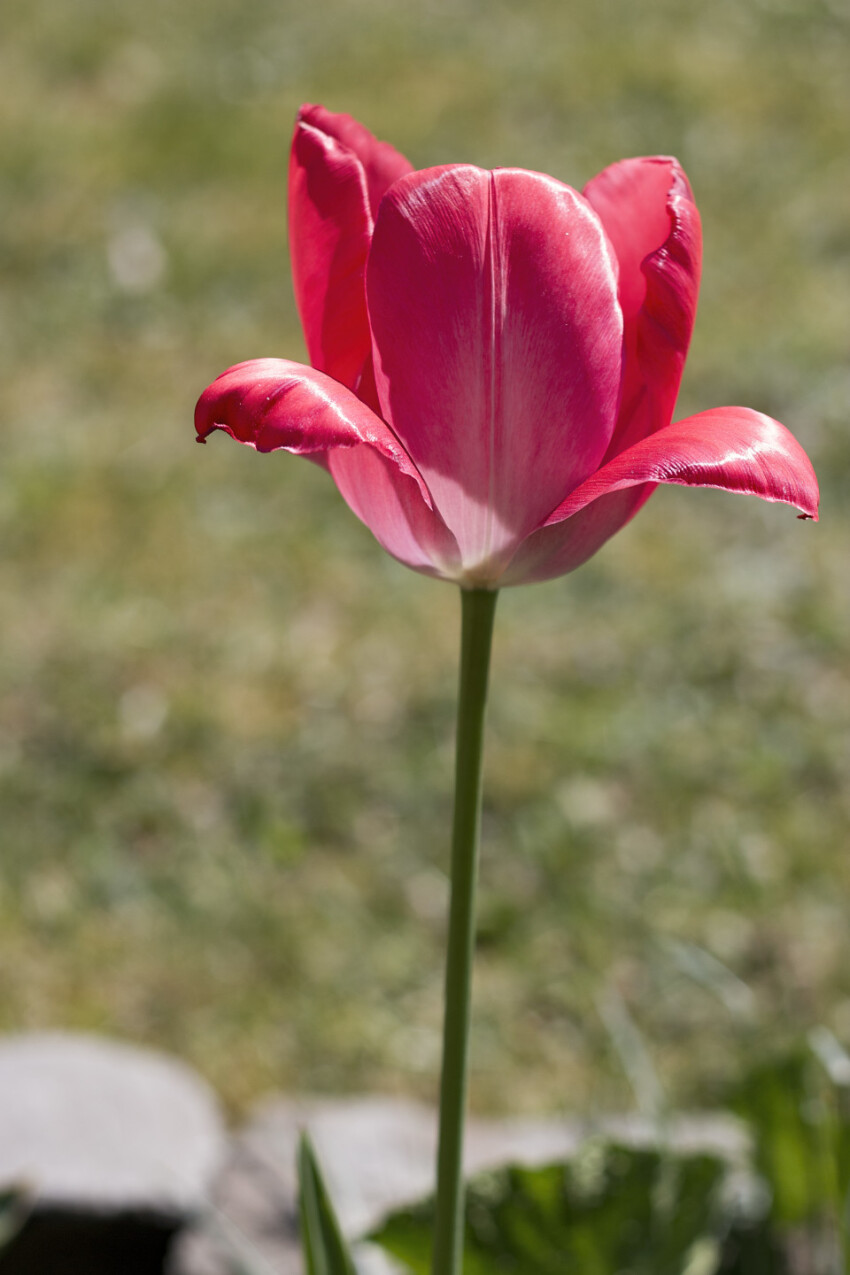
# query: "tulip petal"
{"type": "Point", "coordinates": [732, 448]}
{"type": "Point", "coordinates": [498, 339]}
{"type": "Point", "coordinates": [650, 217]}
{"type": "Point", "coordinates": [389, 503]}
{"type": "Point", "coordinates": [381, 162]}
{"type": "Point", "coordinates": [272, 403]}
{"type": "Point", "coordinates": [337, 174]}
{"type": "Point", "coordinates": [554, 550]}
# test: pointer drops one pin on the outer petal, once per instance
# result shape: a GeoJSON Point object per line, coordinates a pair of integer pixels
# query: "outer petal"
{"type": "Point", "coordinates": [338, 172]}
{"type": "Point", "coordinates": [381, 163]}
{"type": "Point", "coordinates": [555, 550]}
{"type": "Point", "coordinates": [733, 448]}
{"type": "Point", "coordinates": [498, 341]}
{"type": "Point", "coordinates": [272, 403]}
{"type": "Point", "coordinates": [393, 509]}
{"type": "Point", "coordinates": [649, 215]}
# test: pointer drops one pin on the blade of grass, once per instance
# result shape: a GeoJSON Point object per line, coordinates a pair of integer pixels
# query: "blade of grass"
{"type": "Point", "coordinates": [325, 1250]}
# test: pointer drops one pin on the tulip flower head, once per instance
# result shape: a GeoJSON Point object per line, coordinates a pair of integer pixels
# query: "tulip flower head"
{"type": "Point", "coordinates": [495, 357]}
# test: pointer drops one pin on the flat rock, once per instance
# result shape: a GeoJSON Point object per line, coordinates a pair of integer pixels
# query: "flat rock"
{"type": "Point", "coordinates": [378, 1154]}
{"type": "Point", "coordinates": [119, 1145]}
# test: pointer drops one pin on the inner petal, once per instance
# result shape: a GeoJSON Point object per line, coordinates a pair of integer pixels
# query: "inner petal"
{"type": "Point", "coordinates": [498, 341]}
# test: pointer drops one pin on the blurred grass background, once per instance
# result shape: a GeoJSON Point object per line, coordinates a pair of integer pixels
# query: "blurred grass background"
{"type": "Point", "coordinates": [226, 717]}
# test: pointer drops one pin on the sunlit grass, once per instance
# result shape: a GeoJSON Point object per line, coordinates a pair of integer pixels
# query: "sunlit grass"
{"type": "Point", "coordinates": [226, 717]}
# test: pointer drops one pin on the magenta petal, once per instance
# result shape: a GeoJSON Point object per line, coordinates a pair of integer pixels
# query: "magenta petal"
{"type": "Point", "coordinates": [273, 403]}
{"type": "Point", "coordinates": [329, 231]}
{"type": "Point", "coordinates": [498, 341]}
{"type": "Point", "coordinates": [381, 163]}
{"type": "Point", "coordinates": [649, 215]}
{"type": "Point", "coordinates": [555, 549]}
{"type": "Point", "coordinates": [337, 174]}
{"type": "Point", "coordinates": [392, 507]}
{"type": "Point", "coordinates": [733, 448]}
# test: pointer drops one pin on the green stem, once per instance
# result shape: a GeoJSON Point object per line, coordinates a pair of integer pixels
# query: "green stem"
{"type": "Point", "coordinates": [478, 611]}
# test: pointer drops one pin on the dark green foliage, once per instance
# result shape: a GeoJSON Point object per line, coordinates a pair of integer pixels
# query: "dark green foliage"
{"type": "Point", "coordinates": [620, 1211]}
{"type": "Point", "coordinates": [614, 1211]}
{"type": "Point", "coordinates": [798, 1107]}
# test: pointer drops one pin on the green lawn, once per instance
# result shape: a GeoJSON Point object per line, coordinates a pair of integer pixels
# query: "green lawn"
{"type": "Point", "coordinates": [226, 716]}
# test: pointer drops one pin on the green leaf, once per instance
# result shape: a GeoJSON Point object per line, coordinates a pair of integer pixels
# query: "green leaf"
{"type": "Point", "coordinates": [801, 1120]}
{"type": "Point", "coordinates": [325, 1250]}
{"type": "Point", "coordinates": [799, 1109]}
{"type": "Point", "coordinates": [614, 1210]}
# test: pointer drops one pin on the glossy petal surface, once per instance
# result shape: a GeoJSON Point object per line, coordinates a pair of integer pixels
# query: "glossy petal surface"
{"type": "Point", "coordinates": [271, 404]}
{"type": "Point", "coordinates": [506, 356]}
{"type": "Point", "coordinates": [498, 342]}
{"type": "Point", "coordinates": [733, 448]}
{"type": "Point", "coordinates": [274, 403]}
{"type": "Point", "coordinates": [338, 172]}
{"type": "Point", "coordinates": [649, 215]}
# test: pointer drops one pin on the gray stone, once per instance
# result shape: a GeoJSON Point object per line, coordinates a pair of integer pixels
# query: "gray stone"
{"type": "Point", "coordinates": [378, 1154]}
{"type": "Point", "coordinates": [119, 1145]}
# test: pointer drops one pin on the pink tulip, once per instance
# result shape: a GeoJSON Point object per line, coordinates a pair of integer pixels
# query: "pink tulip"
{"type": "Point", "coordinates": [496, 358]}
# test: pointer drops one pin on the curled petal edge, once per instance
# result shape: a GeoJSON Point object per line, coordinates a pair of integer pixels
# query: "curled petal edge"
{"type": "Point", "coordinates": [382, 164]}
{"type": "Point", "coordinates": [648, 211]}
{"type": "Point", "coordinates": [338, 173]}
{"type": "Point", "coordinates": [274, 404]}
{"type": "Point", "coordinates": [731, 448]}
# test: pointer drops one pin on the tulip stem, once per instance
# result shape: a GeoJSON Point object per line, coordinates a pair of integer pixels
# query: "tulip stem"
{"type": "Point", "coordinates": [478, 611]}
